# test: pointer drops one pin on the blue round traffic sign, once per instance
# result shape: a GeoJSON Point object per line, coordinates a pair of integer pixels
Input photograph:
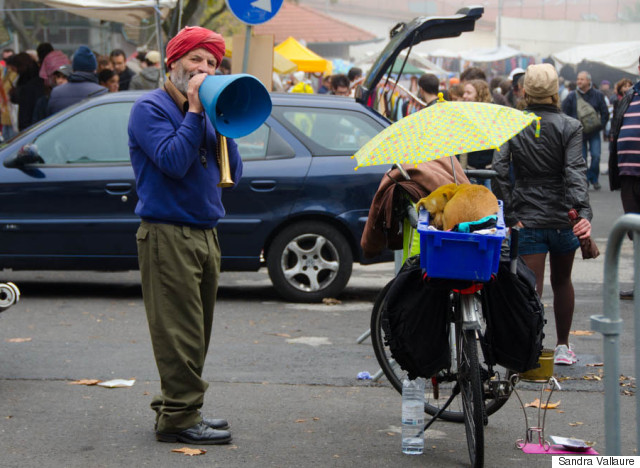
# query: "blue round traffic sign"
{"type": "Point", "coordinates": [254, 11]}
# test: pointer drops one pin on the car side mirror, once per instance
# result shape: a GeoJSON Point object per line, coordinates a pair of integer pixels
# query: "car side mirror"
{"type": "Point", "coordinates": [26, 155]}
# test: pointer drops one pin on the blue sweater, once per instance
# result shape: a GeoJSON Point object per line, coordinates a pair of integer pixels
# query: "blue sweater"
{"type": "Point", "coordinates": [173, 185]}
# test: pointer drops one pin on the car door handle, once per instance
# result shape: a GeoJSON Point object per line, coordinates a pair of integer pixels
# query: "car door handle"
{"type": "Point", "coordinates": [118, 188]}
{"type": "Point", "coordinates": [263, 185]}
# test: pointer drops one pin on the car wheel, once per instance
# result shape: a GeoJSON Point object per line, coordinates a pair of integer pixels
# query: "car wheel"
{"type": "Point", "coordinates": [309, 261]}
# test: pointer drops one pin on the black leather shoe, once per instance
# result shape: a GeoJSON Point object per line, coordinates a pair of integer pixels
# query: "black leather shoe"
{"type": "Point", "coordinates": [215, 423]}
{"type": "Point", "coordinates": [626, 295]}
{"type": "Point", "coordinates": [200, 434]}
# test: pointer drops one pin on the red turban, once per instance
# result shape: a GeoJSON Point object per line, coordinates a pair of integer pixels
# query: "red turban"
{"type": "Point", "coordinates": [195, 37]}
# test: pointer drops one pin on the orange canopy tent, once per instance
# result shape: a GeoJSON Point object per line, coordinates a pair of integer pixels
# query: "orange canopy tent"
{"type": "Point", "coordinates": [307, 60]}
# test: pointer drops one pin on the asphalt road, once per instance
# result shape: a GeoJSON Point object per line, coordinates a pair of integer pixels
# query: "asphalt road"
{"type": "Point", "coordinates": [283, 374]}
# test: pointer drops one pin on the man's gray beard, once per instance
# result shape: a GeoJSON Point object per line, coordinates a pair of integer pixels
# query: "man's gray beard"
{"type": "Point", "coordinates": [180, 78]}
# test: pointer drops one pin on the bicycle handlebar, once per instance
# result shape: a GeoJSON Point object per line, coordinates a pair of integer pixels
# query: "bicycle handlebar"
{"type": "Point", "coordinates": [481, 173]}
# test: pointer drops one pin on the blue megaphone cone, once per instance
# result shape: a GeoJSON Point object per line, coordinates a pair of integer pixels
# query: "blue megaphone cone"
{"type": "Point", "coordinates": [236, 104]}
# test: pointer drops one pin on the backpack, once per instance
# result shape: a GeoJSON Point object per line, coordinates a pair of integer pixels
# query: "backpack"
{"type": "Point", "coordinates": [515, 318]}
{"type": "Point", "coordinates": [587, 115]}
{"type": "Point", "coordinates": [415, 320]}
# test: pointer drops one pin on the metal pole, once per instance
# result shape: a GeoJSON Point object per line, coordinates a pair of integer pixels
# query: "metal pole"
{"type": "Point", "coordinates": [245, 58]}
{"type": "Point", "coordinates": [636, 321]}
{"type": "Point", "coordinates": [159, 40]}
{"type": "Point", "coordinates": [610, 325]}
{"type": "Point", "coordinates": [499, 23]}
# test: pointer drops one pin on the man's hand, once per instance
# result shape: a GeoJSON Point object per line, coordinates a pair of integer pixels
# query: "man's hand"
{"type": "Point", "coordinates": [192, 93]}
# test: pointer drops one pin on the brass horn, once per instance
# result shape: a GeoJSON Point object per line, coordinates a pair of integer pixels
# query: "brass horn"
{"type": "Point", "coordinates": [222, 152]}
{"type": "Point", "coordinates": [236, 105]}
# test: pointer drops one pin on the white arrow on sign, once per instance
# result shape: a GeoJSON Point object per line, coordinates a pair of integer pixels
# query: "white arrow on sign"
{"type": "Point", "coordinates": [263, 5]}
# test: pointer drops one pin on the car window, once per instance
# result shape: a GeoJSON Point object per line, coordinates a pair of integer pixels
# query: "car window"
{"type": "Point", "coordinates": [95, 135]}
{"type": "Point", "coordinates": [264, 143]}
{"type": "Point", "coordinates": [329, 131]}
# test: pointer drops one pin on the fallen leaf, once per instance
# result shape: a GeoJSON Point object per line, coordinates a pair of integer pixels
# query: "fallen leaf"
{"type": "Point", "coordinates": [300, 420]}
{"type": "Point", "coordinates": [232, 447]}
{"type": "Point", "coordinates": [85, 382]}
{"type": "Point", "coordinates": [316, 419]}
{"type": "Point", "coordinates": [536, 404]}
{"type": "Point", "coordinates": [17, 340]}
{"type": "Point", "coordinates": [189, 451]}
{"type": "Point", "coordinates": [391, 433]}
{"type": "Point", "coordinates": [581, 332]}
{"type": "Point", "coordinates": [283, 335]}
{"type": "Point", "coordinates": [577, 423]}
{"type": "Point", "coordinates": [331, 301]}
{"type": "Point", "coordinates": [591, 377]}
{"type": "Point", "coordinates": [559, 411]}
{"type": "Point", "coordinates": [596, 364]}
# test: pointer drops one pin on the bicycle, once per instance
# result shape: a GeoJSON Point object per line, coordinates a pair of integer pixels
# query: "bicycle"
{"type": "Point", "coordinates": [482, 391]}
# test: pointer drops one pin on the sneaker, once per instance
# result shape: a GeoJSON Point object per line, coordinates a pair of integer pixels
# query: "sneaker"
{"type": "Point", "coordinates": [564, 356]}
{"type": "Point", "coordinates": [597, 186]}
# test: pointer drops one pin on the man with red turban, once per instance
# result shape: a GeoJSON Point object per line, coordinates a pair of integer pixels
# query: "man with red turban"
{"type": "Point", "coordinates": [173, 152]}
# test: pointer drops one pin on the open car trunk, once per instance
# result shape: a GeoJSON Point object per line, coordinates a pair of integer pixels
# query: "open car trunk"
{"type": "Point", "coordinates": [406, 35]}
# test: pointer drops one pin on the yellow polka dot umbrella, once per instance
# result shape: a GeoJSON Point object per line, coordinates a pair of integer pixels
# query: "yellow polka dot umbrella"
{"type": "Point", "coordinates": [444, 129]}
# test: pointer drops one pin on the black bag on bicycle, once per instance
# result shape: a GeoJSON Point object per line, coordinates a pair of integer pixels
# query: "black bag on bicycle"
{"type": "Point", "coordinates": [415, 321]}
{"type": "Point", "coordinates": [515, 318]}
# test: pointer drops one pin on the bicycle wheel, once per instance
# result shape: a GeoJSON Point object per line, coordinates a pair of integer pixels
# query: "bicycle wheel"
{"type": "Point", "coordinates": [471, 393]}
{"type": "Point", "coordinates": [436, 392]}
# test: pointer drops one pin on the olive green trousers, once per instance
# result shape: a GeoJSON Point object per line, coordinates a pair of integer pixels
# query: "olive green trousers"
{"type": "Point", "coordinates": [180, 268]}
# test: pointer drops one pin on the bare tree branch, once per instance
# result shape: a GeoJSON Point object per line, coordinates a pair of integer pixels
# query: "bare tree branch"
{"type": "Point", "coordinates": [215, 13]}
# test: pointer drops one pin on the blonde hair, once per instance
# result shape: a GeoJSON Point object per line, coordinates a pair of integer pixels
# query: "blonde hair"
{"type": "Point", "coordinates": [482, 89]}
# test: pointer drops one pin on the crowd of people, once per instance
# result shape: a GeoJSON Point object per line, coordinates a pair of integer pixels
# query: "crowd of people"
{"type": "Point", "coordinates": [38, 83]}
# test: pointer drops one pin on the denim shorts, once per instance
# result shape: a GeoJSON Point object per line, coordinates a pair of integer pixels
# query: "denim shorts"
{"type": "Point", "coordinates": [537, 241]}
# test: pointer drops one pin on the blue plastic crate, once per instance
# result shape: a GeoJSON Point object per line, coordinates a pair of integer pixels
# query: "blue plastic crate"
{"type": "Point", "coordinates": [459, 255]}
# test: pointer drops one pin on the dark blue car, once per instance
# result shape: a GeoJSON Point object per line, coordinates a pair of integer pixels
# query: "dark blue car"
{"type": "Point", "coordinates": [67, 199]}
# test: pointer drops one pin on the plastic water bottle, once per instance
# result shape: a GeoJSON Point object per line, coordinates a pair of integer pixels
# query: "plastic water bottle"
{"type": "Point", "coordinates": [413, 416]}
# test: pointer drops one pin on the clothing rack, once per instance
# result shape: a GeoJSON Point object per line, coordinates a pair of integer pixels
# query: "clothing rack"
{"type": "Point", "coordinates": [395, 101]}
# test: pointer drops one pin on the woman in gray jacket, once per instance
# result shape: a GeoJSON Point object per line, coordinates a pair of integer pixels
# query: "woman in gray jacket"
{"type": "Point", "coordinates": [550, 179]}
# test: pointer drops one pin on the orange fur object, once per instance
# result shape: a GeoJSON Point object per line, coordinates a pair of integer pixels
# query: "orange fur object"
{"type": "Point", "coordinates": [452, 204]}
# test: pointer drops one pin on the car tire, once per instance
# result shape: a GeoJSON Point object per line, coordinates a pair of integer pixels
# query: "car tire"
{"type": "Point", "coordinates": [309, 261]}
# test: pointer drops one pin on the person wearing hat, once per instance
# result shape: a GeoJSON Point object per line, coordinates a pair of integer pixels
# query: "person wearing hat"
{"type": "Point", "coordinates": [52, 70]}
{"type": "Point", "coordinates": [150, 77]}
{"type": "Point", "coordinates": [172, 145]}
{"type": "Point", "coordinates": [515, 94]}
{"type": "Point", "coordinates": [550, 180]}
{"type": "Point", "coordinates": [82, 82]}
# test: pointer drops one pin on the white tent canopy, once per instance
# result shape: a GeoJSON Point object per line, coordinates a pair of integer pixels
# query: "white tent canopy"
{"type": "Point", "coordinates": [494, 54]}
{"type": "Point", "coordinates": [620, 55]}
{"type": "Point", "coordinates": [120, 11]}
